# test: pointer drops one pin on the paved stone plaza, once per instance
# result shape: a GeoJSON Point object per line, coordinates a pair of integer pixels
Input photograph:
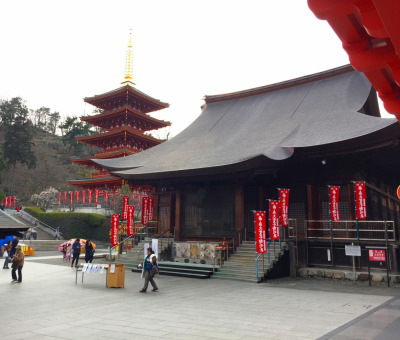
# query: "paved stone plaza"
{"type": "Point", "coordinates": [49, 305]}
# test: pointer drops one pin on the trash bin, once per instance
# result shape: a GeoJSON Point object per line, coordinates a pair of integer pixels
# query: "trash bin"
{"type": "Point", "coordinates": [115, 275]}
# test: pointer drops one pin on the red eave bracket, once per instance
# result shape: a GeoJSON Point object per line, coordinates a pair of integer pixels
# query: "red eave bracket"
{"type": "Point", "coordinates": [370, 34]}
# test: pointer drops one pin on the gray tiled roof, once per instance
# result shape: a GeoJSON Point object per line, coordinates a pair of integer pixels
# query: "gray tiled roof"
{"type": "Point", "coordinates": [9, 222]}
{"type": "Point", "coordinates": [268, 126]}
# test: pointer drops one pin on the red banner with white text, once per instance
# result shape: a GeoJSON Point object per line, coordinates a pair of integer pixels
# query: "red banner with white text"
{"type": "Point", "coordinates": [360, 197]}
{"type": "Point", "coordinates": [334, 194]}
{"type": "Point", "coordinates": [273, 219]}
{"type": "Point", "coordinates": [151, 208]}
{"type": "Point", "coordinates": [284, 206]}
{"type": "Point", "coordinates": [260, 231]}
{"type": "Point", "coordinates": [130, 219]}
{"type": "Point", "coordinates": [124, 211]}
{"type": "Point", "coordinates": [145, 210]}
{"type": "Point", "coordinates": [114, 229]}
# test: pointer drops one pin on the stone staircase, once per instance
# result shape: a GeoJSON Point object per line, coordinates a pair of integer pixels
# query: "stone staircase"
{"type": "Point", "coordinates": [41, 234]}
{"type": "Point", "coordinates": [135, 256]}
{"type": "Point", "coordinates": [191, 270]}
{"type": "Point", "coordinates": [242, 264]}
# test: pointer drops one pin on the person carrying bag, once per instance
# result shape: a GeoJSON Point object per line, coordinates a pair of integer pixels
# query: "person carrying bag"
{"type": "Point", "coordinates": [147, 271]}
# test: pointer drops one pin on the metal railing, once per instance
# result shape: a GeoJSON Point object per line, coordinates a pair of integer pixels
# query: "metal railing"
{"type": "Point", "coordinates": [41, 225]}
{"type": "Point", "coordinates": [361, 230]}
{"type": "Point", "coordinates": [257, 257]}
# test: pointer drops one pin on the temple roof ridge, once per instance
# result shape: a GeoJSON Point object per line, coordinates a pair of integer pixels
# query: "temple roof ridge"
{"type": "Point", "coordinates": [280, 85]}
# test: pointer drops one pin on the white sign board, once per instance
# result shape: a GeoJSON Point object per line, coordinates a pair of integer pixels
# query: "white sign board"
{"type": "Point", "coordinates": [353, 250]}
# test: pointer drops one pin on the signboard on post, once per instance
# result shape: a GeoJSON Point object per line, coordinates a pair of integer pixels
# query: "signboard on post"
{"type": "Point", "coordinates": [378, 255]}
{"type": "Point", "coordinates": [352, 250]}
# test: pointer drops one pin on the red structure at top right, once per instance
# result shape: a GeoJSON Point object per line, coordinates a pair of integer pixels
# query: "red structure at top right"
{"type": "Point", "coordinates": [370, 34]}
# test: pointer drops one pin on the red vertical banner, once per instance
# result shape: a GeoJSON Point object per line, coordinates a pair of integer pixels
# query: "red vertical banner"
{"type": "Point", "coordinates": [105, 196]}
{"type": "Point", "coordinates": [284, 206]}
{"type": "Point", "coordinates": [124, 211]}
{"type": "Point", "coordinates": [334, 194]}
{"type": "Point", "coordinates": [130, 220]}
{"type": "Point", "coordinates": [145, 210]}
{"type": "Point", "coordinates": [83, 196]}
{"type": "Point", "coordinates": [65, 197]}
{"type": "Point", "coordinates": [59, 198]}
{"type": "Point", "coordinates": [96, 196]}
{"type": "Point", "coordinates": [90, 196]}
{"type": "Point", "coordinates": [273, 219]}
{"type": "Point", "coordinates": [14, 201]}
{"type": "Point", "coordinates": [360, 197]}
{"type": "Point", "coordinates": [151, 208]}
{"type": "Point", "coordinates": [114, 229]}
{"type": "Point", "coordinates": [77, 194]}
{"type": "Point", "coordinates": [71, 195]}
{"type": "Point", "coordinates": [260, 227]}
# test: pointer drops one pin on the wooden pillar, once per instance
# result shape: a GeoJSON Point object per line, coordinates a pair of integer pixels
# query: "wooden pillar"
{"type": "Point", "coordinates": [177, 232]}
{"type": "Point", "coordinates": [239, 206]}
{"type": "Point", "coordinates": [261, 199]}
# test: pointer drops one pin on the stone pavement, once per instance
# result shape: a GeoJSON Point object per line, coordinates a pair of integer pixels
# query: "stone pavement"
{"type": "Point", "coordinates": [49, 305]}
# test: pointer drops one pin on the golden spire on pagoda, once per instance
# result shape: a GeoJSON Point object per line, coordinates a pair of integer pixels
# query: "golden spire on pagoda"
{"type": "Point", "coordinates": [129, 63]}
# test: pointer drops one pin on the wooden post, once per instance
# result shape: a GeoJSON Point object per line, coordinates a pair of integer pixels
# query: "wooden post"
{"type": "Point", "coordinates": [177, 233]}
{"type": "Point", "coordinates": [239, 207]}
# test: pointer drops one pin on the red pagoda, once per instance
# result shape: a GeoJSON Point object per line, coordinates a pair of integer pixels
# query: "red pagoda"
{"type": "Point", "coordinates": [123, 122]}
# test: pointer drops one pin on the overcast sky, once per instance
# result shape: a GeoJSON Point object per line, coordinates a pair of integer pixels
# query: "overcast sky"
{"type": "Point", "coordinates": [55, 53]}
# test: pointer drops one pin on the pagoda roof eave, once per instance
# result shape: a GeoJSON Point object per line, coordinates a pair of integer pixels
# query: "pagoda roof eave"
{"type": "Point", "coordinates": [106, 155]}
{"type": "Point", "coordinates": [95, 181]}
{"type": "Point", "coordinates": [97, 100]}
{"type": "Point", "coordinates": [117, 132]}
{"type": "Point", "coordinates": [121, 110]}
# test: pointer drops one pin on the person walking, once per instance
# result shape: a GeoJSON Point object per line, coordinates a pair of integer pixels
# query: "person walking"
{"type": "Point", "coordinates": [76, 251]}
{"type": "Point", "coordinates": [14, 244]}
{"type": "Point", "coordinates": [17, 264]}
{"type": "Point", "coordinates": [64, 251]}
{"type": "Point", "coordinates": [89, 251]}
{"type": "Point", "coordinates": [7, 249]}
{"type": "Point", "coordinates": [148, 263]}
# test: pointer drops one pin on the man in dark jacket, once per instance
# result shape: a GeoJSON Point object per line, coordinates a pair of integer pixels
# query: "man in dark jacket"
{"type": "Point", "coordinates": [14, 244]}
{"type": "Point", "coordinates": [76, 251]}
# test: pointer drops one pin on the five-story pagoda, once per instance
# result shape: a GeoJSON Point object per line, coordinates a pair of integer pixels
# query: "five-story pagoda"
{"type": "Point", "coordinates": [123, 123]}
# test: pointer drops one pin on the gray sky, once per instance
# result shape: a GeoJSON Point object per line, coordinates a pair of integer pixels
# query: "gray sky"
{"type": "Point", "coordinates": [55, 52]}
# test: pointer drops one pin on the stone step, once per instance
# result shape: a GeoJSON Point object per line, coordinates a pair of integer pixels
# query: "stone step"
{"type": "Point", "coordinates": [242, 264]}
{"type": "Point", "coordinates": [230, 276]}
{"type": "Point", "coordinates": [43, 244]}
{"type": "Point", "coordinates": [242, 271]}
